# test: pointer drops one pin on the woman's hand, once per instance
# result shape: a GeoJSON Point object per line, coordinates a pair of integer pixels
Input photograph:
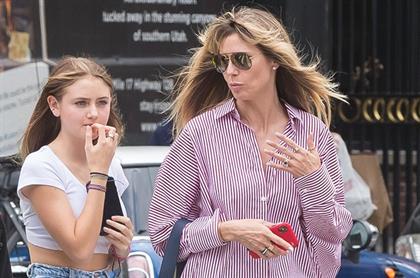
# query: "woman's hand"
{"type": "Point", "coordinates": [255, 235]}
{"type": "Point", "coordinates": [120, 237]}
{"type": "Point", "coordinates": [294, 159]}
{"type": "Point", "coordinates": [99, 156]}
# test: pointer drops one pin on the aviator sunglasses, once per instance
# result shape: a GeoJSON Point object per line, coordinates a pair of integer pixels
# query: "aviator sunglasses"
{"type": "Point", "coordinates": [241, 60]}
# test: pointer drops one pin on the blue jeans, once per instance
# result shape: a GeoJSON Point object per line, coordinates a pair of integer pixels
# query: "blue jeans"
{"type": "Point", "coordinates": [38, 270]}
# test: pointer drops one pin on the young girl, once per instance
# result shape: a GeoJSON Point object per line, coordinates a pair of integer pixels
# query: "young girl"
{"type": "Point", "coordinates": [68, 150]}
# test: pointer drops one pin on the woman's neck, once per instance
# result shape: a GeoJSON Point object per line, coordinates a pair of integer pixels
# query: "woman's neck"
{"type": "Point", "coordinates": [69, 149]}
{"type": "Point", "coordinates": [262, 115]}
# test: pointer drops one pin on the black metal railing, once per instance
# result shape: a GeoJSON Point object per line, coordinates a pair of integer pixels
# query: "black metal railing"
{"type": "Point", "coordinates": [376, 55]}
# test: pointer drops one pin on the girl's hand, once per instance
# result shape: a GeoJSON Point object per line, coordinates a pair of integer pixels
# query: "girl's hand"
{"type": "Point", "coordinates": [121, 235]}
{"type": "Point", "coordinates": [294, 159]}
{"type": "Point", "coordinates": [99, 156]}
{"type": "Point", "coordinates": [255, 235]}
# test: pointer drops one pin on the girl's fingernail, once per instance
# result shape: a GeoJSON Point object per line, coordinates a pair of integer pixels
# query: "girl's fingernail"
{"type": "Point", "coordinates": [290, 249]}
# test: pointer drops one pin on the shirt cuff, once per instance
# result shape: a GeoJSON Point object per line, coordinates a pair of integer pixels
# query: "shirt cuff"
{"type": "Point", "coordinates": [316, 189]}
{"type": "Point", "coordinates": [202, 234]}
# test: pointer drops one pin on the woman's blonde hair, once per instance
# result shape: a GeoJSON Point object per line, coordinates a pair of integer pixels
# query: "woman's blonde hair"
{"type": "Point", "coordinates": [43, 126]}
{"type": "Point", "coordinates": [199, 87]}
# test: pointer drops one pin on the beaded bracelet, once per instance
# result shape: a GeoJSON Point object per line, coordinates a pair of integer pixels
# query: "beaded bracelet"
{"type": "Point", "coordinates": [93, 186]}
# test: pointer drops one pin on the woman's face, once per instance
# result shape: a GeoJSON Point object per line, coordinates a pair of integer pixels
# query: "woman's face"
{"type": "Point", "coordinates": [86, 102]}
{"type": "Point", "coordinates": [251, 84]}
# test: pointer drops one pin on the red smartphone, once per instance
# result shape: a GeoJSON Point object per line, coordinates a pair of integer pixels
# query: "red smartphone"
{"type": "Point", "coordinates": [283, 230]}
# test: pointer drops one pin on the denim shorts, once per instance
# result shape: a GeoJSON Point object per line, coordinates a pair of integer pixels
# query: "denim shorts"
{"type": "Point", "coordinates": [37, 270]}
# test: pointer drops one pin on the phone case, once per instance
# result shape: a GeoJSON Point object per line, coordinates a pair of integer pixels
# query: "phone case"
{"type": "Point", "coordinates": [112, 205]}
{"type": "Point", "coordinates": [283, 230]}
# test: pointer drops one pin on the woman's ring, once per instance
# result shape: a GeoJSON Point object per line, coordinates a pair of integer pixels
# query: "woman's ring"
{"type": "Point", "coordinates": [286, 163]}
{"type": "Point", "coordinates": [296, 149]}
{"type": "Point", "coordinates": [264, 251]}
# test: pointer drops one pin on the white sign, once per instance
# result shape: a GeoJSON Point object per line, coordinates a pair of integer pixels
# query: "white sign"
{"type": "Point", "coordinates": [19, 90]}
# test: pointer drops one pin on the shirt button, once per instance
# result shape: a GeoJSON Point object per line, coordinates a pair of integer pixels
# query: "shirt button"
{"type": "Point", "coordinates": [264, 199]}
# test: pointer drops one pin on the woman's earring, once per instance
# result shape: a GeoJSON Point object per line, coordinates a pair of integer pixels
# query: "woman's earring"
{"type": "Point", "coordinates": [53, 111]}
{"type": "Point", "coordinates": [274, 68]}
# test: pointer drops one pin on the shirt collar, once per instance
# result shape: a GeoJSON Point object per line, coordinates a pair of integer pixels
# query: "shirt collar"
{"type": "Point", "coordinates": [229, 107]}
{"type": "Point", "coordinates": [225, 108]}
{"type": "Point", "coordinates": [293, 112]}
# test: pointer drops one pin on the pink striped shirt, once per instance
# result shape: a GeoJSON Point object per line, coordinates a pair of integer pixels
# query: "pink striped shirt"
{"type": "Point", "coordinates": [214, 173]}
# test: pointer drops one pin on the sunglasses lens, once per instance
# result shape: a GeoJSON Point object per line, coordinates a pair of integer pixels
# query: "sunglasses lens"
{"type": "Point", "coordinates": [241, 60]}
{"type": "Point", "coordinates": [220, 63]}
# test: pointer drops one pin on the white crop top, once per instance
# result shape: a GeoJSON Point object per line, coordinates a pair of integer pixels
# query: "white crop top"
{"type": "Point", "coordinates": [44, 167]}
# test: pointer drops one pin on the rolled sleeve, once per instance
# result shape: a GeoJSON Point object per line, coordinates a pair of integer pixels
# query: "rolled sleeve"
{"type": "Point", "coordinates": [202, 234]}
{"type": "Point", "coordinates": [314, 185]}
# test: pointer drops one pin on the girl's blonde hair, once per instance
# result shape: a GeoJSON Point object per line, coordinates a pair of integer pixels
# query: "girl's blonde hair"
{"type": "Point", "coordinates": [199, 87]}
{"type": "Point", "coordinates": [43, 126]}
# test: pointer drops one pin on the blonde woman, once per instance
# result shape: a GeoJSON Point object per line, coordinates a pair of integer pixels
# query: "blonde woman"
{"type": "Point", "coordinates": [252, 149]}
{"type": "Point", "coordinates": [68, 151]}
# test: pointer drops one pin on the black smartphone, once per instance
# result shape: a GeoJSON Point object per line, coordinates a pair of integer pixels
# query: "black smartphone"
{"type": "Point", "coordinates": [112, 205]}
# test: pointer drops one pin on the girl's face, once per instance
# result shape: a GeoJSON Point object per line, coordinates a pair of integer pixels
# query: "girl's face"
{"type": "Point", "coordinates": [86, 102]}
{"type": "Point", "coordinates": [250, 83]}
